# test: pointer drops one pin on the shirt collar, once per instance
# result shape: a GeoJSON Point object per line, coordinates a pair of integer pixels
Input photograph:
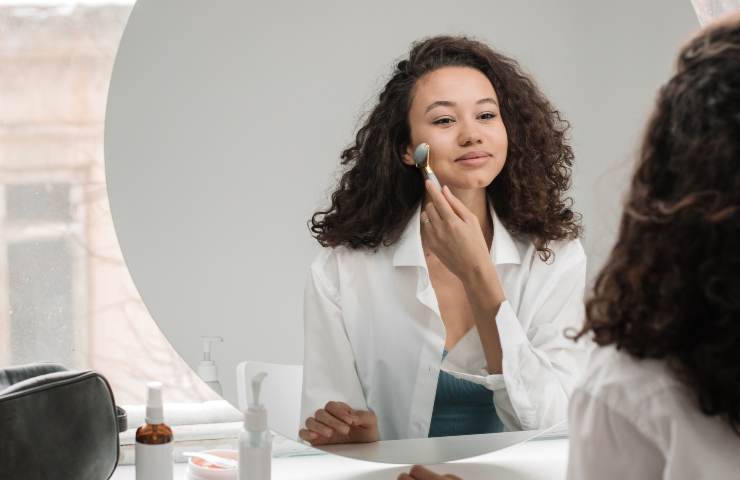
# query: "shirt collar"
{"type": "Point", "coordinates": [504, 249]}
{"type": "Point", "coordinates": [409, 252]}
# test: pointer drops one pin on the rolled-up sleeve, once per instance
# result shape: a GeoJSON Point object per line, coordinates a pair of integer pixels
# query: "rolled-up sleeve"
{"type": "Point", "coordinates": [329, 372]}
{"type": "Point", "coordinates": [540, 365]}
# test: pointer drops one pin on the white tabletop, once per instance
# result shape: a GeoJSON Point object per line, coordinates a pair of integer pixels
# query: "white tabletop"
{"type": "Point", "coordinates": [536, 459]}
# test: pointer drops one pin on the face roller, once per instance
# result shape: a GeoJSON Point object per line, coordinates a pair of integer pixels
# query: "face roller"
{"type": "Point", "coordinates": [421, 159]}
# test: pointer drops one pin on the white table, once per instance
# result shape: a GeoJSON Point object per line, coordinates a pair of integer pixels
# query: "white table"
{"type": "Point", "coordinates": [544, 459]}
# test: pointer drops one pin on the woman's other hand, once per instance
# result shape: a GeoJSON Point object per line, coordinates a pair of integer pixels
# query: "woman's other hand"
{"type": "Point", "coordinates": [418, 472]}
{"type": "Point", "coordinates": [337, 422]}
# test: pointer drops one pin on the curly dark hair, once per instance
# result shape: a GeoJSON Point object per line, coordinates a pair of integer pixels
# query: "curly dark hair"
{"type": "Point", "coordinates": [377, 194]}
{"type": "Point", "coordinates": [671, 287]}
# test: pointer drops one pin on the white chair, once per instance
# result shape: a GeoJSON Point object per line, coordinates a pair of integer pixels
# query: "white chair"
{"type": "Point", "coordinates": [280, 393]}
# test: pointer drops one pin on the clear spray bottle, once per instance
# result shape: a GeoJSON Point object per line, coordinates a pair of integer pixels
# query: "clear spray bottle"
{"type": "Point", "coordinates": [255, 440]}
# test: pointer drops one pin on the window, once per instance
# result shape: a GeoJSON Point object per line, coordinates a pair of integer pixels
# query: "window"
{"type": "Point", "coordinates": [65, 293]}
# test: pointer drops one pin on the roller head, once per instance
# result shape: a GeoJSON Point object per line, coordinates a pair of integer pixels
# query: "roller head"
{"type": "Point", "coordinates": [421, 154]}
{"type": "Point", "coordinates": [421, 159]}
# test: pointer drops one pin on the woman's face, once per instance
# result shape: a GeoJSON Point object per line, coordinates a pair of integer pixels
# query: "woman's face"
{"type": "Point", "coordinates": [456, 111]}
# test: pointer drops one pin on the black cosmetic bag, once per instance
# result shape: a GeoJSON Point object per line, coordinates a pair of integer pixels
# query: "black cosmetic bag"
{"type": "Point", "coordinates": [57, 424]}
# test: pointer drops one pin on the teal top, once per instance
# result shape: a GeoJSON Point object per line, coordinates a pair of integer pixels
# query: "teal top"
{"type": "Point", "coordinates": [462, 408]}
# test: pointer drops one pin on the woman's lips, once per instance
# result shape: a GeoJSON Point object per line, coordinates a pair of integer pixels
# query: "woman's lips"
{"type": "Point", "coordinates": [473, 160]}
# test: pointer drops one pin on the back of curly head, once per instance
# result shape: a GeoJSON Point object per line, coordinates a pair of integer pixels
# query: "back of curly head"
{"type": "Point", "coordinates": [377, 194]}
{"type": "Point", "coordinates": [671, 287]}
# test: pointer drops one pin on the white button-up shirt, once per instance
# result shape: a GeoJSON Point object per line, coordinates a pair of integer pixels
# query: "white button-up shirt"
{"type": "Point", "coordinates": [634, 419]}
{"type": "Point", "coordinates": [374, 336]}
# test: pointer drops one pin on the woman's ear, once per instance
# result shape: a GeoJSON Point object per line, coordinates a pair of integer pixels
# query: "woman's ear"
{"type": "Point", "coordinates": [408, 156]}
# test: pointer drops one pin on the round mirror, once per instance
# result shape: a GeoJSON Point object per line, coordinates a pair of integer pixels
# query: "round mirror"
{"type": "Point", "coordinates": [224, 127]}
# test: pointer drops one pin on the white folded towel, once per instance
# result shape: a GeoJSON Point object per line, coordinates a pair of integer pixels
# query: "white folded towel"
{"type": "Point", "coordinates": [202, 426]}
{"type": "Point", "coordinates": [214, 411]}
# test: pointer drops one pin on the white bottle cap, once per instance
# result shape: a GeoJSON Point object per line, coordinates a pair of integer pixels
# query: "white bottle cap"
{"type": "Point", "coordinates": [154, 410]}
{"type": "Point", "coordinates": [255, 418]}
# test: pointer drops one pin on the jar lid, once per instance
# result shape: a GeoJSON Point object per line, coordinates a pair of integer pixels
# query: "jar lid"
{"type": "Point", "coordinates": [199, 469]}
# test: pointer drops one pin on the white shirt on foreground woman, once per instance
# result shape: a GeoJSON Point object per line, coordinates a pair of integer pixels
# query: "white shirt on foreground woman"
{"type": "Point", "coordinates": [374, 336]}
{"type": "Point", "coordinates": [632, 419]}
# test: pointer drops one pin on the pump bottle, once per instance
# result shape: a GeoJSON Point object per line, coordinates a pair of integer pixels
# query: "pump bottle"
{"type": "Point", "coordinates": [255, 440]}
{"type": "Point", "coordinates": [207, 369]}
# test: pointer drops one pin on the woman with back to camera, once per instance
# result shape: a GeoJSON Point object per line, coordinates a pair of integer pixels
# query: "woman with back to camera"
{"type": "Point", "coordinates": [661, 396]}
{"type": "Point", "coordinates": [441, 312]}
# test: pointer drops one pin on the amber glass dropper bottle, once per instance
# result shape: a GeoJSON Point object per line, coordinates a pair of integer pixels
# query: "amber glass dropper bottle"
{"type": "Point", "coordinates": [153, 449]}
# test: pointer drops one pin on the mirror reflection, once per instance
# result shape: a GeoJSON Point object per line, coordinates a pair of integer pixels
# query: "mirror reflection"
{"type": "Point", "coordinates": [441, 312]}
{"type": "Point", "coordinates": [427, 311]}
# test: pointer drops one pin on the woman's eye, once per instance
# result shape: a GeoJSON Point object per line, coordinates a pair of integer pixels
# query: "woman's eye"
{"type": "Point", "coordinates": [443, 121]}
{"type": "Point", "coordinates": [488, 116]}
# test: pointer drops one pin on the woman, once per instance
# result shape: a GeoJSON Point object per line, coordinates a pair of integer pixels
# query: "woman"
{"type": "Point", "coordinates": [441, 312]}
{"type": "Point", "coordinates": [661, 396]}
{"type": "Point", "coordinates": [664, 389]}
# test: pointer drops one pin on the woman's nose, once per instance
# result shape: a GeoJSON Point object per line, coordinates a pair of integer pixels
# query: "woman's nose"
{"type": "Point", "coordinates": [468, 134]}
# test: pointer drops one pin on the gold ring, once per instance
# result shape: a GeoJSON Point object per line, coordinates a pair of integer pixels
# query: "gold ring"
{"type": "Point", "coordinates": [426, 220]}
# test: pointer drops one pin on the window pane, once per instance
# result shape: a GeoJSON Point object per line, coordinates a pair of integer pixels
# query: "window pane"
{"type": "Point", "coordinates": [41, 304]}
{"type": "Point", "coordinates": [38, 202]}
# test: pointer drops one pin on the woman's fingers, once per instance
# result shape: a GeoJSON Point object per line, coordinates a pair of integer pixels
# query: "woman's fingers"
{"type": "Point", "coordinates": [332, 422]}
{"type": "Point", "coordinates": [337, 417]}
{"type": "Point", "coordinates": [339, 423]}
{"type": "Point", "coordinates": [318, 427]}
{"type": "Point", "coordinates": [341, 411]}
{"type": "Point", "coordinates": [457, 206]}
{"type": "Point", "coordinates": [307, 435]}
{"type": "Point", "coordinates": [431, 213]}
{"type": "Point", "coordinates": [441, 204]}
{"type": "Point", "coordinates": [421, 473]}
{"type": "Point", "coordinates": [418, 472]}
{"type": "Point", "coordinates": [365, 418]}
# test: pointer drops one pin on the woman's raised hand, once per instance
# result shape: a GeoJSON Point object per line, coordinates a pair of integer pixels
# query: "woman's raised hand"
{"type": "Point", "coordinates": [337, 422]}
{"type": "Point", "coordinates": [453, 233]}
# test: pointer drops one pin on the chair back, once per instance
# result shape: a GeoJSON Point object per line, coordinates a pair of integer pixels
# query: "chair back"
{"type": "Point", "coordinates": [280, 393]}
